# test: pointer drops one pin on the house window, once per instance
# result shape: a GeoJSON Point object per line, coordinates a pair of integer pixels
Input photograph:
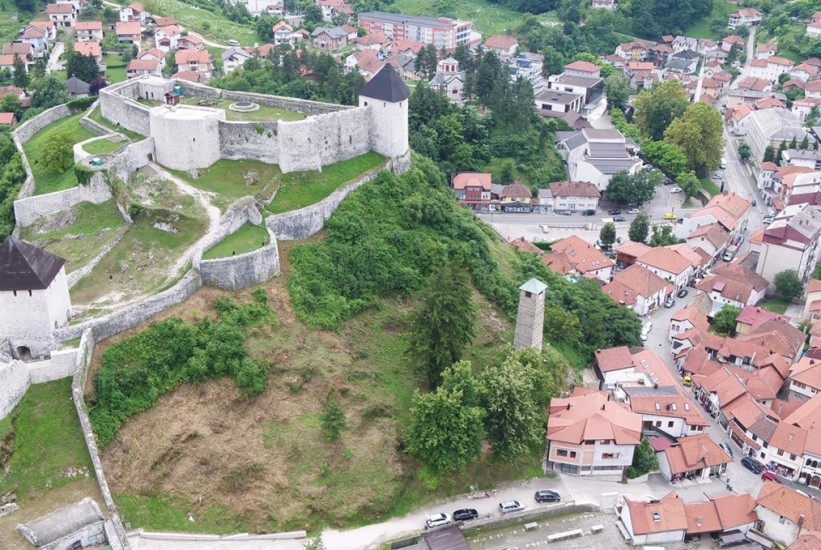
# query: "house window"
{"type": "Point", "coordinates": [561, 452]}
{"type": "Point", "coordinates": [792, 457]}
{"type": "Point", "coordinates": [782, 520]}
{"type": "Point", "coordinates": [780, 452]}
{"type": "Point", "coordinates": [528, 294]}
{"type": "Point", "coordinates": [670, 424]}
{"type": "Point", "coordinates": [610, 456]}
{"type": "Point", "coordinates": [658, 423]}
{"type": "Point", "coordinates": [762, 454]}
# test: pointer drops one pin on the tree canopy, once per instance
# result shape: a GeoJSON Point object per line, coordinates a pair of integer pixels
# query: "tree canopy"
{"type": "Point", "coordinates": [638, 188]}
{"type": "Point", "coordinates": [699, 135]}
{"type": "Point", "coordinates": [639, 228]}
{"type": "Point", "coordinates": [788, 285]}
{"type": "Point", "coordinates": [657, 108]}
{"type": "Point", "coordinates": [724, 320]}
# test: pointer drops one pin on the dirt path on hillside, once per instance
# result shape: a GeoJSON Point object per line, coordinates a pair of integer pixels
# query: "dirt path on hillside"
{"type": "Point", "coordinates": [204, 201]}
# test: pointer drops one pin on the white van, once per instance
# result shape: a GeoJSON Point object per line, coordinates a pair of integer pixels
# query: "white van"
{"type": "Point", "coordinates": [645, 331]}
{"type": "Point", "coordinates": [233, 42]}
{"type": "Point", "coordinates": [723, 163]}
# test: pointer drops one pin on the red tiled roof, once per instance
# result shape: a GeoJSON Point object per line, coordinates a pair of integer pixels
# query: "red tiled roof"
{"type": "Point", "coordinates": [501, 42]}
{"type": "Point", "coordinates": [473, 179]}
{"type": "Point", "coordinates": [592, 416]}
{"type": "Point", "coordinates": [669, 510]}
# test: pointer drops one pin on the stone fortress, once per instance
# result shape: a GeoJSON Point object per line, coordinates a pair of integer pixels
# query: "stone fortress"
{"type": "Point", "coordinates": [188, 137]}
{"type": "Point", "coordinates": [37, 342]}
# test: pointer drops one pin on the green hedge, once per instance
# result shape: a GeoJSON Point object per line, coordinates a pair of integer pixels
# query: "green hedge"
{"type": "Point", "coordinates": [136, 372]}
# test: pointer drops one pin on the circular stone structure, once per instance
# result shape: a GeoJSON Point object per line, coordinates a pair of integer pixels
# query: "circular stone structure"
{"type": "Point", "coordinates": [244, 107]}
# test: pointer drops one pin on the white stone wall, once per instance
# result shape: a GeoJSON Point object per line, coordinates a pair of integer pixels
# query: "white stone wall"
{"type": "Point", "coordinates": [62, 364]}
{"type": "Point", "coordinates": [30, 209]}
{"type": "Point", "coordinates": [123, 110]}
{"type": "Point", "coordinates": [302, 223]}
{"type": "Point", "coordinates": [14, 382]}
{"type": "Point", "coordinates": [23, 133]}
{"type": "Point", "coordinates": [245, 140]}
{"type": "Point", "coordinates": [186, 137]}
{"type": "Point", "coordinates": [244, 270]}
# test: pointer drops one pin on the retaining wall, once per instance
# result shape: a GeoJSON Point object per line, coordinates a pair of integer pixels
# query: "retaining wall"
{"type": "Point", "coordinates": [75, 276]}
{"type": "Point", "coordinates": [84, 354]}
{"type": "Point", "coordinates": [301, 224]}
{"type": "Point", "coordinates": [23, 133]}
{"type": "Point", "coordinates": [235, 272]}
{"type": "Point", "coordinates": [28, 210]}
{"type": "Point", "coordinates": [122, 109]}
{"type": "Point", "coordinates": [62, 364]}
{"type": "Point", "coordinates": [131, 316]}
{"type": "Point", "coordinates": [14, 382]}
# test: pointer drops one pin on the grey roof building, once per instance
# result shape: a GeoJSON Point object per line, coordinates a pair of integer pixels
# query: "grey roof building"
{"type": "Point", "coordinates": [771, 127]}
{"type": "Point", "coordinates": [594, 155]}
{"type": "Point", "coordinates": [77, 87]}
{"type": "Point", "coordinates": [63, 523]}
{"type": "Point", "coordinates": [386, 85]}
{"type": "Point", "coordinates": [26, 267]}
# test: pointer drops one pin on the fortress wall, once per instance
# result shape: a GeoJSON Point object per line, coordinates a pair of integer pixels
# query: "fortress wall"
{"type": "Point", "coordinates": [299, 145]}
{"type": "Point", "coordinates": [75, 276]}
{"type": "Point", "coordinates": [23, 133]}
{"type": "Point", "coordinates": [122, 109]}
{"type": "Point", "coordinates": [288, 103]}
{"type": "Point", "coordinates": [28, 210]}
{"type": "Point", "coordinates": [14, 382]}
{"type": "Point", "coordinates": [131, 316]}
{"type": "Point", "coordinates": [235, 272]}
{"type": "Point", "coordinates": [302, 223]}
{"type": "Point", "coordinates": [250, 140]}
{"type": "Point", "coordinates": [187, 137]}
{"type": "Point", "coordinates": [62, 364]}
{"type": "Point", "coordinates": [343, 135]}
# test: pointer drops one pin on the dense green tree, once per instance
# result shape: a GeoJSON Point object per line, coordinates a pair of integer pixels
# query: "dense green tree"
{"type": "Point", "coordinates": [446, 427]}
{"type": "Point", "coordinates": [21, 75]}
{"type": "Point", "coordinates": [57, 154]}
{"type": "Point", "coordinates": [618, 90]}
{"type": "Point", "coordinates": [656, 109]}
{"type": "Point", "coordinates": [663, 236]}
{"type": "Point", "coordinates": [724, 320]}
{"type": "Point", "coordinates": [332, 420]}
{"type": "Point", "coordinates": [665, 156]}
{"type": "Point", "coordinates": [607, 235]}
{"type": "Point", "coordinates": [788, 285]}
{"type": "Point", "coordinates": [10, 103]}
{"type": "Point", "coordinates": [644, 460]}
{"type": "Point", "coordinates": [514, 422]}
{"type": "Point", "coordinates": [638, 188]}
{"type": "Point", "coordinates": [426, 61]}
{"type": "Point", "coordinates": [689, 183]}
{"type": "Point", "coordinates": [769, 154]}
{"type": "Point", "coordinates": [83, 67]}
{"type": "Point", "coordinates": [744, 151]}
{"type": "Point", "coordinates": [699, 135]}
{"type": "Point", "coordinates": [805, 143]}
{"type": "Point", "coordinates": [444, 324]}
{"type": "Point", "coordinates": [639, 228]}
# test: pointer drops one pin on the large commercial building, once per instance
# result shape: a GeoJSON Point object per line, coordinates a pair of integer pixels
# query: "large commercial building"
{"type": "Point", "coordinates": [771, 127]}
{"type": "Point", "coordinates": [441, 32]}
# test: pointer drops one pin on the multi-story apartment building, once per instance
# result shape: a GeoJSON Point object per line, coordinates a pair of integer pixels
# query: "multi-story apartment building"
{"type": "Point", "coordinates": [441, 32]}
{"type": "Point", "coordinates": [790, 242]}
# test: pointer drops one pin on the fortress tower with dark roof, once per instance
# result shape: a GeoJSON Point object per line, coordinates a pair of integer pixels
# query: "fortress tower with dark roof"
{"type": "Point", "coordinates": [34, 299]}
{"type": "Point", "coordinates": [386, 96]}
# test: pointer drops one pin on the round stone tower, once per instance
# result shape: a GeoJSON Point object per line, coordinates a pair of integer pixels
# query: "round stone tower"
{"type": "Point", "coordinates": [386, 97]}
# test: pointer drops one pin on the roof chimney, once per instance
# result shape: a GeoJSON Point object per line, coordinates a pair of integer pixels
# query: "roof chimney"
{"type": "Point", "coordinates": [568, 406]}
{"type": "Point", "coordinates": [698, 521]}
{"type": "Point", "coordinates": [602, 406]}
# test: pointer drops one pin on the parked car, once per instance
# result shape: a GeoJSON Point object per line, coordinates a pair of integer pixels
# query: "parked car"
{"type": "Point", "coordinates": [564, 212]}
{"type": "Point", "coordinates": [754, 202]}
{"type": "Point", "coordinates": [670, 216]}
{"type": "Point", "coordinates": [768, 220]}
{"type": "Point", "coordinates": [510, 506]}
{"type": "Point", "coordinates": [465, 514]}
{"type": "Point", "coordinates": [675, 189]}
{"type": "Point", "coordinates": [769, 476]}
{"type": "Point", "coordinates": [232, 42]}
{"type": "Point", "coordinates": [645, 331]}
{"type": "Point", "coordinates": [614, 212]}
{"type": "Point", "coordinates": [589, 212]}
{"type": "Point", "coordinates": [682, 293]}
{"type": "Point", "coordinates": [633, 211]}
{"type": "Point", "coordinates": [619, 219]}
{"type": "Point", "coordinates": [727, 449]}
{"type": "Point", "coordinates": [547, 496]}
{"type": "Point", "coordinates": [752, 465]}
{"type": "Point", "coordinates": [716, 176]}
{"type": "Point", "coordinates": [669, 303]}
{"type": "Point", "coordinates": [437, 520]}
{"type": "Point", "coordinates": [668, 181]}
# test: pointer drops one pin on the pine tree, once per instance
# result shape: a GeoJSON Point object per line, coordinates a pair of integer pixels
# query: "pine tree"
{"type": "Point", "coordinates": [21, 76]}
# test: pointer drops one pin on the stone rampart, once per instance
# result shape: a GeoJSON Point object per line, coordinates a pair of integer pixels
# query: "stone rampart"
{"type": "Point", "coordinates": [29, 209]}
{"type": "Point", "coordinates": [23, 133]}
{"type": "Point", "coordinates": [244, 140]}
{"type": "Point", "coordinates": [303, 106]}
{"type": "Point", "coordinates": [14, 382]}
{"type": "Point", "coordinates": [302, 223]}
{"type": "Point", "coordinates": [125, 111]}
{"type": "Point", "coordinates": [62, 364]}
{"type": "Point", "coordinates": [86, 349]}
{"type": "Point", "coordinates": [244, 270]}
{"type": "Point", "coordinates": [130, 316]}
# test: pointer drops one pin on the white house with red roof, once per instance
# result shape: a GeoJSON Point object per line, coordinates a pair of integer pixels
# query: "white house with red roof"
{"type": "Point", "coordinates": [696, 456]}
{"type": "Point", "coordinates": [502, 45]}
{"type": "Point", "coordinates": [747, 16]}
{"type": "Point", "coordinates": [639, 289]}
{"type": "Point", "coordinates": [805, 379]}
{"type": "Point", "coordinates": [140, 67]}
{"type": "Point", "coordinates": [89, 31]}
{"type": "Point", "coordinates": [589, 434]}
{"type": "Point", "coordinates": [729, 210]}
{"type": "Point", "coordinates": [194, 61]}
{"type": "Point", "coordinates": [654, 522]}
{"type": "Point", "coordinates": [472, 189]}
{"type": "Point", "coordinates": [63, 16]}
{"type": "Point", "coordinates": [770, 68]}
{"type": "Point", "coordinates": [167, 38]}
{"type": "Point", "coordinates": [668, 264]}
{"type": "Point", "coordinates": [585, 259]}
{"type": "Point", "coordinates": [133, 12]}
{"type": "Point", "coordinates": [784, 513]}
{"type": "Point", "coordinates": [130, 31]}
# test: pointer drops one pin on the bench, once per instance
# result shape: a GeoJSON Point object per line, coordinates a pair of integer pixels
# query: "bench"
{"type": "Point", "coordinates": [597, 528]}
{"type": "Point", "coordinates": [565, 535]}
{"type": "Point", "coordinates": [531, 526]}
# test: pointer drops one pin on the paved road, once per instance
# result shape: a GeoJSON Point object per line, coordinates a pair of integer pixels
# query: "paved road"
{"type": "Point", "coordinates": [54, 63]}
